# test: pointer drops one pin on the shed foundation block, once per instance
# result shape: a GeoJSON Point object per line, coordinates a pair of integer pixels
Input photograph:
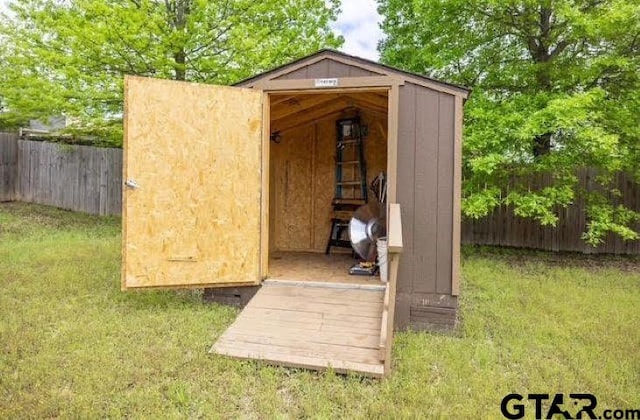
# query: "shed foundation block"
{"type": "Point", "coordinates": [426, 312]}
{"type": "Point", "coordinates": [234, 296]}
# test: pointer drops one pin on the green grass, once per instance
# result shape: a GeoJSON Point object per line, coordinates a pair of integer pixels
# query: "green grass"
{"type": "Point", "coordinates": [73, 345]}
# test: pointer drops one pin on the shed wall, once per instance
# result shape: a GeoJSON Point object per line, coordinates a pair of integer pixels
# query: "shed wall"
{"type": "Point", "coordinates": [425, 192]}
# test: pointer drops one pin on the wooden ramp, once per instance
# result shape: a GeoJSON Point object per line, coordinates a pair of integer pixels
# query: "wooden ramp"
{"type": "Point", "coordinates": [310, 325]}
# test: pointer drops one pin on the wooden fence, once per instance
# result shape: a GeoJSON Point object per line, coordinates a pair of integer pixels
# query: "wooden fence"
{"type": "Point", "coordinates": [8, 166]}
{"type": "Point", "coordinates": [89, 179]}
{"type": "Point", "coordinates": [81, 178]}
{"type": "Point", "coordinates": [503, 228]}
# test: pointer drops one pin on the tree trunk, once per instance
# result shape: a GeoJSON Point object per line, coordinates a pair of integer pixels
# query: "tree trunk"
{"type": "Point", "coordinates": [177, 11]}
{"type": "Point", "coordinates": [541, 145]}
{"type": "Point", "coordinates": [539, 50]}
{"type": "Point", "coordinates": [179, 68]}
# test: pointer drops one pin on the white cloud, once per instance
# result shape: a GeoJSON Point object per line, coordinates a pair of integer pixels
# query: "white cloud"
{"type": "Point", "coordinates": [4, 8]}
{"type": "Point", "coordinates": [358, 24]}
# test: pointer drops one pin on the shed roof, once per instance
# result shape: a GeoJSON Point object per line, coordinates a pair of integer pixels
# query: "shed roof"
{"type": "Point", "coordinates": [362, 63]}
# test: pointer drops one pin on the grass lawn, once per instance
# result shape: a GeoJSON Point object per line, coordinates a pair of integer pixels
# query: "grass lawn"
{"type": "Point", "coordinates": [73, 345]}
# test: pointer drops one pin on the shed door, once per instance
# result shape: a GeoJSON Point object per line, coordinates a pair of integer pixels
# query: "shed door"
{"type": "Point", "coordinates": [192, 171]}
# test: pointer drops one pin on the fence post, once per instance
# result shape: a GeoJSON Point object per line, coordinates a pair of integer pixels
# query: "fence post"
{"type": "Point", "coordinates": [8, 166]}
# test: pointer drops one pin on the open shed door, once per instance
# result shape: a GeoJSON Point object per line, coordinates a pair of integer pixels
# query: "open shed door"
{"type": "Point", "coordinates": [192, 171]}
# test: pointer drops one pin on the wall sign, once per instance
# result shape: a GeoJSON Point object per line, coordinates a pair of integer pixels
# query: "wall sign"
{"type": "Point", "coordinates": [326, 83]}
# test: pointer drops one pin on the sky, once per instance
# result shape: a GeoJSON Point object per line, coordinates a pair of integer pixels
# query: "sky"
{"type": "Point", "coordinates": [358, 24]}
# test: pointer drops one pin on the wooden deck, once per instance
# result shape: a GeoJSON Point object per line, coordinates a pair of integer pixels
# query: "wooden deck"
{"type": "Point", "coordinates": [310, 325]}
{"type": "Point", "coordinates": [309, 266]}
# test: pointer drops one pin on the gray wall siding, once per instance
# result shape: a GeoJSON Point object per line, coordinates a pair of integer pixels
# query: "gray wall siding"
{"type": "Point", "coordinates": [446, 140]}
{"type": "Point", "coordinates": [425, 184]}
{"type": "Point", "coordinates": [426, 200]}
{"type": "Point", "coordinates": [405, 172]}
{"type": "Point", "coordinates": [326, 68]}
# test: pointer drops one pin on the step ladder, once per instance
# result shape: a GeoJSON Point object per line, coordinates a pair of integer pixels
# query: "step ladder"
{"type": "Point", "coordinates": [351, 179]}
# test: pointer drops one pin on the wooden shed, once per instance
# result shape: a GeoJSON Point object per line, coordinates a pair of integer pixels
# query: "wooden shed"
{"type": "Point", "coordinates": [231, 188]}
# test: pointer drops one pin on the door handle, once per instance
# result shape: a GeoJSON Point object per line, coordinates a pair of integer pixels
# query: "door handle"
{"type": "Point", "coordinates": [131, 183]}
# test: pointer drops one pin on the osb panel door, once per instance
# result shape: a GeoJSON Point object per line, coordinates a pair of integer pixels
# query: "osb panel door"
{"type": "Point", "coordinates": [192, 170]}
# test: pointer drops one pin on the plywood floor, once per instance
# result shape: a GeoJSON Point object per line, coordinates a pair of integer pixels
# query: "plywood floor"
{"type": "Point", "coordinates": [315, 267]}
{"type": "Point", "coordinates": [309, 326]}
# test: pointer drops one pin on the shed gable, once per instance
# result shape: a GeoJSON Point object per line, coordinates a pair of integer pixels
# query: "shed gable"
{"type": "Point", "coordinates": [327, 67]}
{"type": "Point", "coordinates": [334, 64]}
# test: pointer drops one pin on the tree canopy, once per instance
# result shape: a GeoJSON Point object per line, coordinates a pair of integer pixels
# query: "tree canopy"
{"type": "Point", "coordinates": [556, 88]}
{"type": "Point", "coordinates": [69, 57]}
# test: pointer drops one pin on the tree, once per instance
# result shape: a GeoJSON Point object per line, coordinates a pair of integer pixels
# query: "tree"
{"type": "Point", "coordinates": [69, 57]}
{"type": "Point", "coordinates": [556, 88]}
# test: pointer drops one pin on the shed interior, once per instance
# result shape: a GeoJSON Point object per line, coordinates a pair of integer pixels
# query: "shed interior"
{"type": "Point", "coordinates": [302, 174]}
